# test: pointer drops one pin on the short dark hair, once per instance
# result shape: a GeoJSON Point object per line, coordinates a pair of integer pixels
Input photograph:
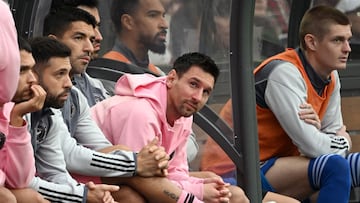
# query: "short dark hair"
{"type": "Point", "coordinates": [316, 21]}
{"type": "Point", "coordinates": [184, 63]}
{"type": "Point", "coordinates": [60, 19]}
{"type": "Point", "coordinates": [45, 48]}
{"type": "Point", "coordinates": [119, 8]}
{"type": "Point", "coordinates": [24, 44]}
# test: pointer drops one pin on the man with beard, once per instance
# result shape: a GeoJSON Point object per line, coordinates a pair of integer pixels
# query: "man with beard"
{"type": "Point", "coordinates": [147, 107]}
{"type": "Point", "coordinates": [140, 27]}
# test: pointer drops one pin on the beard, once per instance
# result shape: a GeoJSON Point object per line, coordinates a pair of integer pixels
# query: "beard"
{"type": "Point", "coordinates": [185, 111]}
{"type": "Point", "coordinates": [157, 48]}
{"type": "Point", "coordinates": [155, 44]}
{"type": "Point", "coordinates": [51, 100]}
{"type": "Point", "coordinates": [54, 101]}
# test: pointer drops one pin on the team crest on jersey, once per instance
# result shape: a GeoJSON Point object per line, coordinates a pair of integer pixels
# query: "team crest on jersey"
{"type": "Point", "coordinates": [41, 131]}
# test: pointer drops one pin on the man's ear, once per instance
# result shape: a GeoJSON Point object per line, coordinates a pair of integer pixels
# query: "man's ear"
{"type": "Point", "coordinates": [310, 42]}
{"type": "Point", "coordinates": [171, 76]}
{"type": "Point", "coordinates": [52, 36]}
{"type": "Point", "coordinates": [127, 21]}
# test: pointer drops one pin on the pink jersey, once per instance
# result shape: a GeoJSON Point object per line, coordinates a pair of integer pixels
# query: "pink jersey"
{"type": "Point", "coordinates": [137, 113]}
{"type": "Point", "coordinates": [17, 165]}
{"type": "Point", "coordinates": [10, 55]}
{"type": "Point", "coordinates": [17, 158]}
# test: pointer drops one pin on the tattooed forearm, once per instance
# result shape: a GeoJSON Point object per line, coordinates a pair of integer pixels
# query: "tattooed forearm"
{"type": "Point", "coordinates": [171, 195]}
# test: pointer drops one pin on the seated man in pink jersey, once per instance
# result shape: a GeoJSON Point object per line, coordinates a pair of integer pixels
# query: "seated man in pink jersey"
{"type": "Point", "coordinates": [16, 154]}
{"type": "Point", "coordinates": [145, 107]}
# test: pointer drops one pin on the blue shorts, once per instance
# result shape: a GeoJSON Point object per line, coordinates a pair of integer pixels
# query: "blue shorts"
{"type": "Point", "coordinates": [264, 168]}
{"type": "Point", "coordinates": [231, 178]}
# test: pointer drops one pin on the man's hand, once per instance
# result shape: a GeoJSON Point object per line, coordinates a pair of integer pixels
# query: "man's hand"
{"type": "Point", "coordinates": [152, 160]}
{"type": "Point", "coordinates": [36, 103]}
{"type": "Point", "coordinates": [100, 193]}
{"type": "Point", "coordinates": [342, 132]}
{"type": "Point", "coordinates": [216, 190]}
{"type": "Point", "coordinates": [308, 114]}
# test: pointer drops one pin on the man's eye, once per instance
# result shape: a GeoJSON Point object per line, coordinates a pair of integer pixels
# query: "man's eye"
{"type": "Point", "coordinates": [207, 92]}
{"type": "Point", "coordinates": [193, 84]}
{"type": "Point", "coordinates": [338, 41]}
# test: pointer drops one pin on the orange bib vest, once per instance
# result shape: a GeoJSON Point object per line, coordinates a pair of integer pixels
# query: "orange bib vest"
{"type": "Point", "coordinates": [273, 140]}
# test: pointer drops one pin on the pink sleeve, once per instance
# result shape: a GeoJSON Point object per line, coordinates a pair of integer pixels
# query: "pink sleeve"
{"type": "Point", "coordinates": [20, 167]}
{"type": "Point", "coordinates": [17, 158]}
{"type": "Point", "coordinates": [179, 169]}
{"type": "Point", "coordinates": [10, 55]}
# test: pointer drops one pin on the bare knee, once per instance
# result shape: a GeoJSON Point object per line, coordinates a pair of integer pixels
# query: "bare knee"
{"type": "Point", "coordinates": [270, 196]}
{"type": "Point", "coordinates": [6, 196]}
{"type": "Point", "coordinates": [127, 194]}
{"type": "Point", "coordinates": [238, 195]}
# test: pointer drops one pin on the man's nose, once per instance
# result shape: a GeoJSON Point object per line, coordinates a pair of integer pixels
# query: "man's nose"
{"type": "Point", "coordinates": [98, 35]}
{"type": "Point", "coordinates": [31, 77]}
{"type": "Point", "coordinates": [68, 83]}
{"type": "Point", "coordinates": [88, 46]}
{"type": "Point", "coordinates": [197, 95]}
{"type": "Point", "coordinates": [164, 24]}
{"type": "Point", "coordinates": [347, 47]}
